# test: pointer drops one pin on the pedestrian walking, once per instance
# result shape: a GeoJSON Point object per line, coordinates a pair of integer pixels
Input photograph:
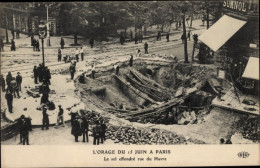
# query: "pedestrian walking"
{"type": "Point", "coordinates": [35, 74]}
{"type": "Point", "coordinates": [62, 43]}
{"type": "Point", "coordinates": [91, 42]}
{"type": "Point", "coordinates": [97, 131]}
{"type": "Point", "coordinates": [13, 45]}
{"type": "Point", "coordinates": [37, 45]}
{"type": "Point", "coordinates": [189, 33]}
{"type": "Point", "coordinates": [45, 118]}
{"type": "Point", "coordinates": [182, 38]}
{"type": "Point", "coordinates": [84, 127]}
{"type": "Point", "coordinates": [24, 130]}
{"type": "Point", "coordinates": [131, 60]}
{"type": "Point", "coordinates": [8, 79]}
{"type": "Point", "coordinates": [40, 72]}
{"type": "Point", "coordinates": [9, 99]}
{"type": "Point", "coordinates": [81, 53]}
{"type": "Point", "coordinates": [19, 80]}
{"type": "Point", "coordinates": [76, 129]}
{"type": "Point", "coordinates": [2, 82]}
{"type": "Point", "coordinates": [1, 45]}
{"type": "Point", "coordinates": [77, 54]}
{"type": "Point", "coordinates": [136, 38]}
{"type": "Point", "coordinates": [12, 32]}
{"type": "Point", "coordinates": [168, 36]}
{"type": "Point", "coordinates": [146, 48]}
{"type": "Point", "coordinates": [93, 70]}
{"type": "Point", "coordinates": [72, 70]}
{"type": "Point", "coordinates": [14, 87]}
{"type": "Point", "coordinates": [140, 37]}
{"type": "Point", "coordinates": [59, 55]}
{"type": "Point", "coordinates": [60, 117]}
{"type": "Point", "coordinates": [103, 133]}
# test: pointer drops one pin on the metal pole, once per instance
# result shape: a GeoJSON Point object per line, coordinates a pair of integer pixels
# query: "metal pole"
{"type": "Point", "coordinates": [43, 53]}
{"type": "Point", "coordinates": [48, 29]}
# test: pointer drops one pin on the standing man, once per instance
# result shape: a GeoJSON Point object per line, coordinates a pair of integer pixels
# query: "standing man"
{"type": "Point", "coordinates": [40, 72]}
{"type": "Point", "coordinates": [19, 80]}
{"type": "Point", "coordinates": [60, 116]}
{"type": "Point", "coordinates": [24, 130]}
{"type": "Point", "coordinates": [93, 70]}
{"type": "Point", "coordinates": [140, 36]}
{"type": "Point", "coordinates": [37, 45]}
{"type": "Point", "coordinates": [77, 54]}
{"type": "Point", "coordinates": [131, 61]}
{"type": "Point", "coordinates": [76, 130]}
{"type": "Point", "coordinates": [2, 82]}
{"type": "Point", "coordinates": [182, 38]}
{"type": "Point", "coordinates": [35, 74]}
{"type": "Point", "coordinates": [146, 47]}
{"type": "Point", "coordinates": [59, 55]}
{"type": "Point", "coordinates": [72, 70]}
{"type": "Point", "coordinates": [84, 128]}
{"type": "Point", "coordinates": [8, 79]}
{"type": "Point", "coordinates": [168, 36]}
{"type": "Point", "coordinates": [81, 53]}
{"type": "Point", "coordinates": [14, 87]}
{"type": "Point", "coordinates": [17, 33]}
{"type": "Point", "coordinates": [12, 45]}
{"type": "Point", "coordinates": [9, 99]}
{"type": "Point", "coordinates": [12, 32]}
{"type": "Point", "coordinates": [47, 75]}
{"type": "Point", "coordinates": [103, 134]}
{"type": "Point", "coordinates": [97, 131]}
{"type": "Point", "coordinates": [45, 118]}
{"type": "Point", "coordinates": [91, 42]}
{"type": "Point", "coordinates": [62, 43]}
{"type": "Point", "coordinates": [131, 34]}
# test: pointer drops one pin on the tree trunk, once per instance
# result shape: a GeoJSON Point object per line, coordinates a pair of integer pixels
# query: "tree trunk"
{"type": "Point", "coordinates": [185, 41]}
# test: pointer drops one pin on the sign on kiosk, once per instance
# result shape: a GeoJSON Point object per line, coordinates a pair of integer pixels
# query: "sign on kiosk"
{"type": "Point", "coordinates": [236, 5]}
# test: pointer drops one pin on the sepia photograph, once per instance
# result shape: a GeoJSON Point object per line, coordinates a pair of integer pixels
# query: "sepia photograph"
{"type": "Point", "coordinates": [129, 83]}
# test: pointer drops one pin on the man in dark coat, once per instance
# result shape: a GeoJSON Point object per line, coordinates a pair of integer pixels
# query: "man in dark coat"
{"type": "Point", "coordinates": [24, 130]}
{"type": "Point", "coordinates": [60, 116]}
{"type": "Point", "coordinates": [40, 72]}
{"type": "Point", "coordinates": [76, 130]}
{"type": "Point", "coordinates": [12, 32]}
{"type": "Point", "coordinates": [140, 37]}
{"type": "Point", "coordinates": [62, 43]}
{"type": "Point", "coordinates": [91, 42]}
{"type": "Point", "coordinates": [84, 128]}
{"type": "Point", "coordinates": [131, 61]}
{"type": "Point", "coordinates": [8, 79]}
{"type": "Point", "coordinates": [103, 134]}
{"type": "Point", "coordinates": [1, 45]}
{"type": "Point", "coordinates": [72, 70]}
{"type": "Point", "coordinates": [97, 131]}
{"type": "Point", "coordinates": [19, 80]}
{"type": "Point", "coordinates": [9, 99]}
{"type": "Point", "coordinates": [45, 118]}
{"type": "Point", "coordinates": [131, 34]}
{"type": "Point", "coordinates": [2, 82]}
{"type": "Point", "coordinates": [182, 38]}
{"type": "Point", "coordinates": [146, 47]}
{"type": "Point", "coordinates": [37, 45]}
{"type": "Point", "coordinates": [136, 38]}
{"type": "Point", "coordinates": [159, 36]}
{"type": "Point", "coordinates": [34, 44]}
{"type": "Point", "coordinates": [168, 37]}
{"type": "Point", "coordinates": [14, 88]}
{"type": "Point", "coordinates": [35, 74]}
{"type": "Point", "coordinates": [13, 45]}
{"type": "Point", "coordinates": [47, 75]}
{"type": "Point", "coordinates": [189, 33]}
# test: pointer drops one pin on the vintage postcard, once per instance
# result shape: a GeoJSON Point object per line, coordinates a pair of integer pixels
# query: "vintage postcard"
{"type": "Point", "coordinates": [129, 83]}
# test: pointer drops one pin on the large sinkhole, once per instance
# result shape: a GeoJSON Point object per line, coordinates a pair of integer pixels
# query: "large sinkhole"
{"type": "Point", "coordinates": [170, 93]}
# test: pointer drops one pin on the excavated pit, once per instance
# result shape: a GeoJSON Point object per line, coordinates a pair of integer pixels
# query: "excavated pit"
{"type": "Point", "coordinates": [152, 92]}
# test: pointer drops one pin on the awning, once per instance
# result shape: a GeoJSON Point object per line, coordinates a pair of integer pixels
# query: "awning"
{"type": "Point", "coordinates": [252, 69]}
{"type": "Point", "coordinates": [220, 32]}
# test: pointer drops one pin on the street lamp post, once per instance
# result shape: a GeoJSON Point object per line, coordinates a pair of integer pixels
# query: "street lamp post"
{"type": "Point", "coordinates": [42, 35]}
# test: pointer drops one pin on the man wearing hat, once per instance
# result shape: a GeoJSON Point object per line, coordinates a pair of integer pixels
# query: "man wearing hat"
{"type": "Point", "coordinates": [45, 118]}
{"type": "Point", "coordinates": [9, 99]}
{"type": "Point", "coordinates": [97, 131]}
{"type": "Point", "coordinates": [19, 81]}
{"type": "Point", "coordinates": [74, 113]}
{"type": "Point", "coordinates": [60, 116]}
{"type": "Point", "coordinates": [14, 87]}
{"type": "Point", "coordinates": [76, 130]}
{"type": "Point", "coordinates": [84, 127]}
{"type": "Point", "coordinates": [103, 134]}
{"type": "Point", "coordinates": [24, 130]}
